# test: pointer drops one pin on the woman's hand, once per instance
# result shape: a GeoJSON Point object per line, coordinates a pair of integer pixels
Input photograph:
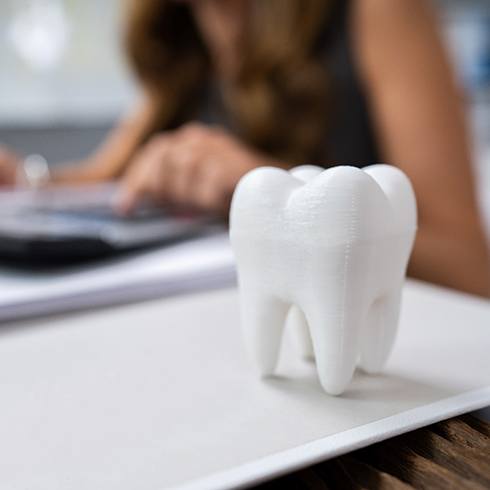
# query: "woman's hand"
{"type": "Point", "coordinates": [9, 163]}
{"type": "Point", "coordinates": [196, 166]}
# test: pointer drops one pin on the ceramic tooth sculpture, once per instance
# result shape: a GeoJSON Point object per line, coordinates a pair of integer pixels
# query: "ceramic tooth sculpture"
{"type": "Point", "coordinates": [332, 246]}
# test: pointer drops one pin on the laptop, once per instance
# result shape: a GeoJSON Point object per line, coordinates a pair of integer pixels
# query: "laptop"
{"type": "Point", "coordinates": [70, 224]}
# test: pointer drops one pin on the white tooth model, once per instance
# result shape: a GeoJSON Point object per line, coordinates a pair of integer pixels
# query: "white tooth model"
{"type": "Point", "coordinates": [332, 246]}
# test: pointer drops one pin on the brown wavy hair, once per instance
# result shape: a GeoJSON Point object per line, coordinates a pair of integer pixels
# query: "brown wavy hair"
{"type": "Point", "coordinates": [276, 102]}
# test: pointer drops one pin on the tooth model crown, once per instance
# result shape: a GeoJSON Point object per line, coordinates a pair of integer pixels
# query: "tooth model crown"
{"type": "Point", "coordinates": [330, 249]}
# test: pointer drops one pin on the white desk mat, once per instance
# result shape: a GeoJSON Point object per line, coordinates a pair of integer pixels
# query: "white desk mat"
{"type": "Point", "coordinates": [160, 394]}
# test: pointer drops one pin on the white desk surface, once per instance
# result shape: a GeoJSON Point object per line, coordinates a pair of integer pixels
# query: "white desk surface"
{"type": "Point", "coordinates": [159, 394]}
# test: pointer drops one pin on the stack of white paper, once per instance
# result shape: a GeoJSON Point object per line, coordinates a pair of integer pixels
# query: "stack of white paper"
{"type": "Point", "coordinates": [205, 262]}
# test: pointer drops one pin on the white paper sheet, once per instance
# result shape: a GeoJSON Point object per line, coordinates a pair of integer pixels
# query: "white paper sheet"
{"type": "Point", "coordinates": [204, 262]}
{"type": "Point", "coordinates": [159, 394]}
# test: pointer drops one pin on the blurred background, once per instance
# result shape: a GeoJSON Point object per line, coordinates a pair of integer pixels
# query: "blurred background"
{"type": "Point", "coordinates": [64, 82]}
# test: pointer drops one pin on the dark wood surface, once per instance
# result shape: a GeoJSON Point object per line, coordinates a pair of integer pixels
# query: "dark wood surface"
{"type": "Point", "coordinates": [453, 454]}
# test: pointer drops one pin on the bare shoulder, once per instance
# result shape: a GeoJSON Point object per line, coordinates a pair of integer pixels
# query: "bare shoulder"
{"type": "Point", "coordinates": [392, 16]}
{"type": "Point", "coordinates": [393, 7]}
{"type": "Point", "coordinates": [400, 34]}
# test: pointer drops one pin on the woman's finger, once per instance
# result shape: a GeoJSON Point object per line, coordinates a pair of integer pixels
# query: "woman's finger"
{"type": "Point", "coordinates": [152, 176]}
{"type": "Point", "coordinates": [131, 190]}
{"type": "Point", "coordinates": [186, 161]}
{"type": "Point", "coordinates": [209, 192]}
{"type": "Point", "coordinates": [135, 184]}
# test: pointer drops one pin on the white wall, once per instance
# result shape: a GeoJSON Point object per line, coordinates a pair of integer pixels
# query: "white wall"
{"type": "Point", "coordinates": [90, 81]}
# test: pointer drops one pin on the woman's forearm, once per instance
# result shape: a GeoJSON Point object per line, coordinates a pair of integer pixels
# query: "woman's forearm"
{"type": "Point", "coordinates": [81, 172]}
{"type": "Point", "coordinates": [456, 260]}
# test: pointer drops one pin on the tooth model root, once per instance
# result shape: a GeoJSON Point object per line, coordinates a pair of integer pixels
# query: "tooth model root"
{"type": "Point", "coordinates": [378, 334]}
{"type": "Point", "coordinates": [325, 251]}
{"type": "Point", "coordinates": [264, 317]}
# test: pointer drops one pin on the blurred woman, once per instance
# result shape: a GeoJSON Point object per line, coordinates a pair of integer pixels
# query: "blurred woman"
{"type": "Point", "coordinates": [229, 85]}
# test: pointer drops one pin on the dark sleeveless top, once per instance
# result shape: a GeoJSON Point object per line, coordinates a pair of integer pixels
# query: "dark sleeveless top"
{"type": "Point", "coordinates": [350, 138]}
